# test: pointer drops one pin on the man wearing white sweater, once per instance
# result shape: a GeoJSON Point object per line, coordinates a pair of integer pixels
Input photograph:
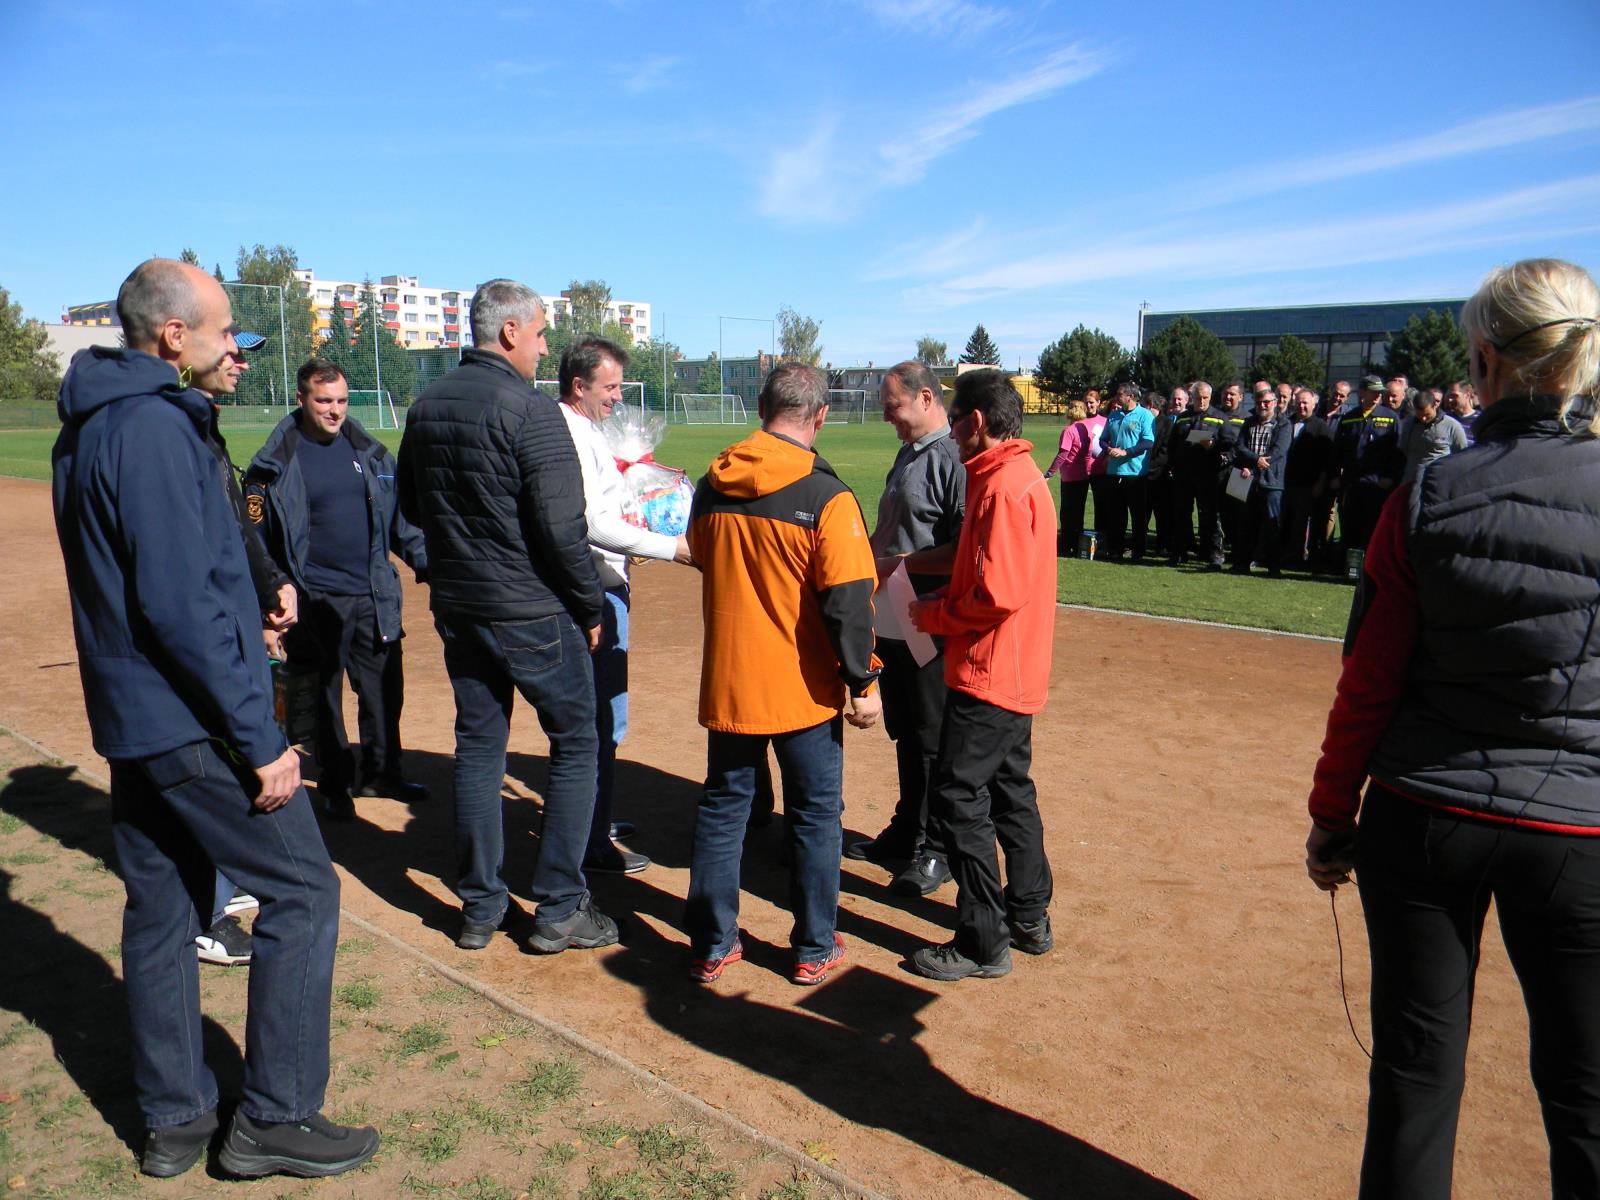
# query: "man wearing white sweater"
{"type": "Point", "coordinates": [591, 385]}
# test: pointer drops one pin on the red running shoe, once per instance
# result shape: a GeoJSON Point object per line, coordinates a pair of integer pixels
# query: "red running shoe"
{"type": "Point", "coordinates": [809, 974]}
{"type": "Point", "coordinates": [709, 970]}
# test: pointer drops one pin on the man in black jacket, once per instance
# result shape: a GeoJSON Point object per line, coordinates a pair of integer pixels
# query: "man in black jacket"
{"type": "Point", "coordinates": [1259, 457]}
{"type": "Point", "coordinates": [1307, 503]}
{"type": "Point", "coordinates": [489, 472]}
{"type": "Point", "coordinates": [321, 491]}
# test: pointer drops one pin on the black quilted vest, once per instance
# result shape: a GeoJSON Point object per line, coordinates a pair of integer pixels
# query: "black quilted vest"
{"type": "Point", "coordinates": [1501, 713]}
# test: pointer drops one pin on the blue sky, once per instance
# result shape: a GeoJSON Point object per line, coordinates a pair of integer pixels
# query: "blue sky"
{"type": "Point", "coordinates": [889, 167]}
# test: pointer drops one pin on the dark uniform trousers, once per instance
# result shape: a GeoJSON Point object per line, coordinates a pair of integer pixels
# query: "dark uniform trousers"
{"type": "Point", "coordinates": [340, 635]}
{"type": "Point", "coordinates": [981, 793]}
{"type": "Point", "coordinates": [913, 714]}
{"type": "Point", "coordinates": [1194, 491]}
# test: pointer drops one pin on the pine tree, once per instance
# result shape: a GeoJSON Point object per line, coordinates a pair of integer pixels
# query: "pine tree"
{"type": "Point", "coordinates": [1292, 362]}
{"type": "Point", "coordinates": [1431, 351]}
{"type": "Point", "coordinates": [393, 371]}
{"type": "Point", "coordinates": [336, 347]}
{"type": "Point", "coordinates": [981, 349]}
{"type": "Point", "coordinates": [1182, 352]}
{"type": "Point", "coordinates": [1082, 359]}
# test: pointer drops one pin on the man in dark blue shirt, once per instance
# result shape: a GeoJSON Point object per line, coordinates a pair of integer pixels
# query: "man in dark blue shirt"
{"type": "Point", "coordinates": [323, 491]}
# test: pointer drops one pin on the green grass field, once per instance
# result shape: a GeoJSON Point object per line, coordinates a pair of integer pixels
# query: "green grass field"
{"type": "Point", "coordinates": [861, 454]}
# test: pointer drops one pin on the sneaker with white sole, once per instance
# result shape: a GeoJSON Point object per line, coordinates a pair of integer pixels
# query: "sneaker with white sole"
{"type": "Point", "coordinates": [240, 902]}
{"type": "Point", "coordinates": [225, 943]}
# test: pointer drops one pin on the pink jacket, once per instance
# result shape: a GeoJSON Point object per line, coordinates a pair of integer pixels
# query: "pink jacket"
{"type": "Point", "coordinates": [1081, 453]}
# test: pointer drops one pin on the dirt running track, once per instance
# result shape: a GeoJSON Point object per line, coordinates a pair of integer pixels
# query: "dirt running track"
{"type": "Point", "coordinates": [1185, 1037]}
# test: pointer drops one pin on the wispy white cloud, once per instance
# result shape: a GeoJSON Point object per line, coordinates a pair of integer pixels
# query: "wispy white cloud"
{"type": "Point", "coordinates": [826, 178]}
{"type": "Point", "coordinates": [1498, 131]}
{"type": "Point", "coordinates": [907, 157]}
{"type": "Point", "coordinates": [648, 75]}
{"type": "Point", "coordinates": [1234, 253]}
{"type": "Point", "coordinates": [926, 256]}
{"type": "Point", "coordinates": [937, 18]}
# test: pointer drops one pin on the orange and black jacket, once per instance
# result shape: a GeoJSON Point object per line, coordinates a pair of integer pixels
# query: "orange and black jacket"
{"type": "Point", "coordinates": [786, 591]}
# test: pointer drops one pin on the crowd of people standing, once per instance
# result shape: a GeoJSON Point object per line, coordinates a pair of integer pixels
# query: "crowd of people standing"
{"type": "Point", "coordinates": [1283, 477]}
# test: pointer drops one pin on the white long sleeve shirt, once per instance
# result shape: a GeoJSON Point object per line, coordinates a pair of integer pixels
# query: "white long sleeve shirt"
{"type": "Point", "coordinates": [611, 539]}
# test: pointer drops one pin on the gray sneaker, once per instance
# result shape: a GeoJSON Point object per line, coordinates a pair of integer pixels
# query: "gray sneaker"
{"type": "Point", "coordinates": [311, 1149]}
{"type": "Point", "coordinates": [587, 928]}
{"type": "Point", "coordinates": [948, 964]}
{"type": "Point", "coordinates": [1032, 937]}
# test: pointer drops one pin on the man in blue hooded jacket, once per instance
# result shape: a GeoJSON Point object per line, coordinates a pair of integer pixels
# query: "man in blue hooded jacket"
{"type": "Point", "coordinates": [175, 680]}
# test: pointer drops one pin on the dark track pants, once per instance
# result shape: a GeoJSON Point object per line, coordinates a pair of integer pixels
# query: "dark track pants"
{"type": "Point", "coordinates": [913, 714]}
{"type": "Point", "coordinates": [340, 635]}
{"type": "Point", "coordinates": [982, 792]}
{"type": "Point", "coordinates": [1426, 877]}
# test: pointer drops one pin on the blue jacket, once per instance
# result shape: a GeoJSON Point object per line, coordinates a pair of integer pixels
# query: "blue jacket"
{"type": "Point", "coordinates": [167, 621]}
{"type": "Point", "coordinates": [275, 502]}
{"type": "Point", "coordinates": [1133, 431]}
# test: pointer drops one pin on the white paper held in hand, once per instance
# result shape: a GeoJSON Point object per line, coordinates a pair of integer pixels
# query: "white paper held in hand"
{"type": "Point", "coordinates": [892, 619]}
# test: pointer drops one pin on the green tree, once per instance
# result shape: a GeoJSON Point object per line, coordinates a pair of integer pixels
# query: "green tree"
{"type": "Point", "coordinates": [1431, 351]}
{"type": "Point", "coordinates": [1184, 351]}
{"type": "Point", "coordinates": [393, 371]}
{"type": "Point", "coordinates": [190, 257]}
{"type": "Point", "coordinates": [797, 338]}
{"type": "Point", "coordinates": [981, 349]}
{"type": "Point", "coordinates": [256, 307]}
{"type": "Point", "coordinates": [336, 346]}
{"type": "Point", "coordinates": [711, 377]}
{"type": "Point", "coordinates": [1080, 360]}
{"type": "Point", "coordinates": [933, 352]}
{"type": "Point", "coordinates": [217, 274]}
{"type": "Point", "coordinates": [29, 370]}
{"type": "Point", "coordinates": [589, 300]}
{"type": "Point", "coordinates": [1293, 362]}
{"type": "Point", "coordinates": [652, 365]}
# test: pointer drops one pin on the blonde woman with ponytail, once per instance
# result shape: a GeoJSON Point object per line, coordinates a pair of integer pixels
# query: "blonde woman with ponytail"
{"type": "Point", "coordinates": [1469, 709]}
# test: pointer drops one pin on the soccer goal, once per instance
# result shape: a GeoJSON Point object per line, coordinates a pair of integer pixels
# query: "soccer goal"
{"type": "Point", "coordinates": [847, 406]}
{"type": "Point", "coordinates": [374, 407]}
{"type": "Point", "coordinates": [705, 409]}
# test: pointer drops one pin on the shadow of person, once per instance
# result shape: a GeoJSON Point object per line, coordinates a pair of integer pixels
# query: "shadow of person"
{"type": "Point", "coordinates": [67, 989]}
{"type": "Point", "coordinates": [851, 1046]}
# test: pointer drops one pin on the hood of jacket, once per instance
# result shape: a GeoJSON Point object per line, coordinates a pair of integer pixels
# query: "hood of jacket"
{"type": "Point", "coordinates": [762, 464]}
{"type": "Point", "coordinates": [102, 375]}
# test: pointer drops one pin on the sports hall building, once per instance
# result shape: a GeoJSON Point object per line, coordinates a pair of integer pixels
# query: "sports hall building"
{"type": "Point", "coordinates": [1349, 338]}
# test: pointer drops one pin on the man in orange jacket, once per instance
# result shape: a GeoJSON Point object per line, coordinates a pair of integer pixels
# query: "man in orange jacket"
{"type": "Point", "coordinates": [787, 603]}
{"type": "Point", "coordinates": [998, 619]}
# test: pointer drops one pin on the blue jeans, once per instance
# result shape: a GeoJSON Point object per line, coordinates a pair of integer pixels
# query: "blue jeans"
{"type": "Point", "coordinates": [177, 819]}
{"type": "Point", "coordinates": [610, 710]}
{"type": "Point", "coordinates": [812, 762]}
{"type": "Point", "coordinates": [547, 660]}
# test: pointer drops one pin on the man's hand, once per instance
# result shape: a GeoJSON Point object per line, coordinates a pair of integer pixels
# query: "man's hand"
{"type": "Point", "coordinates": [287, 612]}
{"type": "Point", "coordinates": [1330, 857]}
{"type": "Point", "coordinates": [594, 638]}
{"type": "Point", "coordinates": [1117, 452]}
{"type": "Point", "coordinates": [280, 780]}
{"type": "Point", "coordinates": [864, 711]}
{"type": "Point", "coordinates": [1263, 462]}
{"type": "Point", "coordinates": [1244, 472]}
{"type": "Point", "coordinates": [274, 643]}
{"type": "Point", "coordinates": [683, 555]}
{"type": "Point", "coordinates": [915, 611]}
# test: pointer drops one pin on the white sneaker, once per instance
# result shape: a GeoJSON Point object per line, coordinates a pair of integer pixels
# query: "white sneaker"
{"type": "Point", "coordinates": [241, 902]}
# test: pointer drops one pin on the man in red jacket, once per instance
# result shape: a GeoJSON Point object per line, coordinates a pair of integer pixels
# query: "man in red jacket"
{"type": "Point", "coordinates": [998, 619]}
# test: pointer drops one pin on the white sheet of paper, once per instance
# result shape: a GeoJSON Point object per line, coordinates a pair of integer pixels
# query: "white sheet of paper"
{"type": "Point", "coordinates": [891, 620]}
{"type": "Point", "coordinates": [1239, 485]}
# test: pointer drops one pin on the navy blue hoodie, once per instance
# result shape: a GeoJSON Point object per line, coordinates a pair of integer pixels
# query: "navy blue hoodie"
{"type": "Point", "coordinates": [166, 619]}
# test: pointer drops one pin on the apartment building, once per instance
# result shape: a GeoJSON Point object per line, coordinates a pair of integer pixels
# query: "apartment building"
{"type": "Point", "coordinates": [421, 318]}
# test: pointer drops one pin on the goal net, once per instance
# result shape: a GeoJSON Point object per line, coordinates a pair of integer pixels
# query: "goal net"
{"type": "Point", "coordinates": [705, 409]}
{"type": "Point", "coordinates": [374, 407]}
{"type": "Point", "coordinates": [847, 406]}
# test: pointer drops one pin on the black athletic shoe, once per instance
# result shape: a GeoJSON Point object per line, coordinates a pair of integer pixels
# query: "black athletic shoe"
{"type": "Point", "coordinates": [923, 877]}
{"type": "Point", "coordinates": [174, 1149]}
{"type": "Point", "coordinates": [476, 935]}
{"type": "Point", "coordinates": [395, 787]}
{"type": "Point", "coordinates": [948, 964]}
{"type": "Point", "coordinates": [621, 831]}
{"type": "Point", "coordinates": [880, 850]}
{"type": "Point", "coordinates": [586, 929]}
{"type": "Point", "coordinates": [336, 803]}
{"type": "Point", "coordinates": [311, 1148]}
{"type": "Point", "coordinates": [1032, 937]}
{"type": "Point", "coordinates": [225, 943]}
{"type": "Point", "coordinates": [618, 862]}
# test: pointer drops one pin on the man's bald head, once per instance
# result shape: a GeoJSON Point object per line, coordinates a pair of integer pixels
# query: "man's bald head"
{"type": "Point", "coordinates": [158, 291]}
